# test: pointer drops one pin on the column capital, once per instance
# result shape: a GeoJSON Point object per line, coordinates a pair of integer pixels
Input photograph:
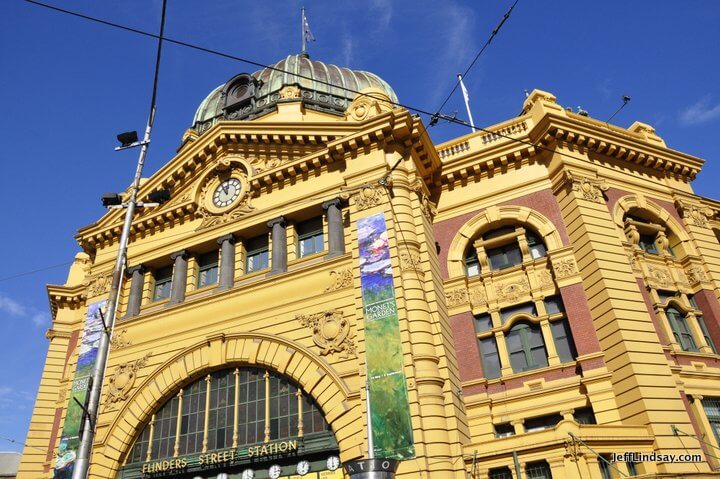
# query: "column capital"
{"type": "Point", "coordinates": [280, 220]}
{"type": "Point", "coordinates": [141, 269]}
{"type": "Point", "coordinates": [228, 237]}
{"type": "Point", "coordinates": [183, 253]}
{"type": "Point", "coordinates": [334, 202]}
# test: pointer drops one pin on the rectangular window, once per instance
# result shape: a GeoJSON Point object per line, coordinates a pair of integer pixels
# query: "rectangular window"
{"type": "Point", "coordinates": [207, 269]}
{"type": "Point", "coordinates": [647, 243]}
{"type": "Point", "coordinates": [706, 334]}
{"type": "Point", "coordinates": [537, 248]}
{"type": "Point", "coordinates": [554, 304]}
{"type": "Point", "coordinates": [472, 264]}
{"type": "Point", "coordinates": [604, 463]}
{"type": "Point", "coordinates": [500, 473]}
{"type": "Point", "coordinates": [504, 430]}
{"type": "Point", "coordinates": [538, 470]}
{"type": "Point", "coordinates": [563, 340]}
{"type": "Point", "coordinates": [712, 411]}
{"type": "Point", "coordinates": [680, 330]}
{"type": "Point", "coordinates": [257, 254]}
{"type": "Point", "coordinates": [490, 358]}
{"type": "Point", "coordinates": [504, 256]}
{"type": "Point", "coordinates": [632, 469]}
{"type": "Point", "coordinates": [163, 282]}
{"type": "Point", "coordinates": [584, 415]}
{"type": "Point", "coordinates": [542, 422]}
{"type": "Point", "coordinates": [483, 322]}
{"type": "Point", "coordinates": [310, 237]}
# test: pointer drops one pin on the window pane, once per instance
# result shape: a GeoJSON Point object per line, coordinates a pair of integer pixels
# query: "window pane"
{"type": "Point", "coordinates": [527, 308]}
{"type": "Point", "coordinates": [554, 304]}
{"type": "Point", "coordinates": [163, 282]}
{"type": "Point", "coordinates": [310, 237]}
{"type": "Point", "coordinates": [483, 322]}
{"type": "Point", "coordinates": [504, 430]}
{"type": "Point", "coordinates": [538, 470]}
{"type": "Point", "coordinates": [257, 254]}
{"type": "Point", "coordinates": [563, 340]}
{"type": "Point", "coordinates": [706, 334]}
{"type": "Point", "coordinates": [500, 473]}
{"type": "Point", "coordinates": [490, 358]}
{"type": "Point", "coordinates": [584, 415]}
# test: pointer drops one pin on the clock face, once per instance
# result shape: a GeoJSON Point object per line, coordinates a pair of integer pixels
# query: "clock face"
{"type": "Point", "coordinates": [333, 462]}
{"type": "Point", "coordinates": [274, 471]}
{"type": "Point", "coordinates": [303, 467]}
{"type": "Point", "coordinates": [227, 192]}
{"type": "Point", "coordinates": [248, 474]}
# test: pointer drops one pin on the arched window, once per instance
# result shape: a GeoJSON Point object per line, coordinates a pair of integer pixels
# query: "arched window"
{"type": "Point", "coordinates": [526, 347]}
{"type": "Point", "coordinates": [680, 330]}
{"type": "Point", "coordinates": [649, 236]}
{"type": "Point", "coordinates": [201, 417]}
{"type": "Point", "coordinates": [503, 248]}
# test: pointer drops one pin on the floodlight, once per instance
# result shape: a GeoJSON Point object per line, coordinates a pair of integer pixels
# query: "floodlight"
{"type": "Point", "coordinates": [159, 196]}
{"type": "Point", "coordinates": [128, 138]}
{"type": "Point", "coordinates": [111, 199]}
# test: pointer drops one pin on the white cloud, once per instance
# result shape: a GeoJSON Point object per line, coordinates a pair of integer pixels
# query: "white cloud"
{"type": "Point", "coordinates": [17, 310]}
{"type": "Point", "coordinates": [700, 112]}
{"type": "Point", "coordinates": [383, 12]}
{"type": "Point", "coordinates": [347, 50]}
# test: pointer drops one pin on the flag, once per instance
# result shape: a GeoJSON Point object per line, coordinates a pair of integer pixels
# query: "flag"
{"type": "Point", "coordinates": [306, 30]}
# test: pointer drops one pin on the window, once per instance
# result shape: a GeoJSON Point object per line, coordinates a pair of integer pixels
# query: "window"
{"type": "Point", "coordinates": [504, 430]}
{"type": "Point", "coordinates": [163, 282]}
{"type": "Point", "coordinates": [526, 347]}
{"type": "Point", "coordinates": [564, 344]}
{"type": "Point", "coordinates": [207, 269]}
{"type": "Point", "coordinates": [648, 236]}
{"type": "Point", "coordinates": [483, 322]}
{"type": "Point", "coordinates": [537, 247]}
{"type": "Point", "coordinates": [538, 470]}
{"type": "Point", "coordinates": [632, 469]}
{"type": "Point", "coordinates": [527, 308]}
{"type": "Point", "coordinates": [257, 254]}
{"type": "Point", "coordinates": [500, 473]}
{"type": "Point", "coordinates": [310, 237]}
{"type": "Point", "coordinates": [505, 256]}
{"type": "Point", "coordinates": [542, 422]}
{"type": "Point", "coordinates": [712, 411]}
{"type": "Point", "coordinates": [604, 463]}
{"type": "Point", "coordinates": [701, 323]}
{"type": "Point", "coordinates": [472, 265]}
{"type": "Point", "coordinates": [584, 415]}
{"type": "Point", "coordinates": [680, 330]}
{"type": "Point", "coordinates": [490, 358]}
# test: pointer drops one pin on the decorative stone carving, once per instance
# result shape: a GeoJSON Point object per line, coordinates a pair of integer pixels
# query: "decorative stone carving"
{"type": "Point", "coordinates": [98, 284]}
{"type": "Point", "coordinates": [456, 297]}
{"type": "Point", "coordinates": [634, 264]}
{"type": "Point", "coordinates": [118, 340]}
{"type": "Point", "coordinates": [367, 197]}
{"type": "Point", "coordinates": [331, 332]}
{"type": "Point", "coordinates": [658, 277]}
{"type": "Point", "coordinates": [123, 379]}
{"type": "Point", "coordinates": [410, 261]}
{"type": "Point", "coordinates": [289, 92]}
{"type": "Point", "coordinates": [564, 268]}
{"type": "Point", "coordinates": [695, 215]}
{"type": "Point", "coordinates": [340, 279]}
{"type": "Point", "coordinates": [477, 296]}
{"type": "Point", "coordinates": [513, 291]}
{"type": "Point", "coordinates": [696, 274]}
{"type": "Point", "coordinates": [545, 278]}
{"type": "Point", "coordinates": [371, 102]}
{"type": "Point", "coordinates": [588, 189]}
{"type": "Point", "coordinates": [265, 164]}
{"type": "Point", "coordinates": [213, 216]}
{"type": "Point", "coordinates": [428, 208]}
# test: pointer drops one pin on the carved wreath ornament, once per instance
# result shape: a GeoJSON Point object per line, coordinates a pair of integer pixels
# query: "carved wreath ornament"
{"type": "Point", "coordinates": [123, 379]}
{"type": "Point", "coordinates": [331, 332]}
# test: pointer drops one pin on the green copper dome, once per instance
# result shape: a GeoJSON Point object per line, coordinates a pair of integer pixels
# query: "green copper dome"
{"type": "Point", "coordinates": [323, 87]}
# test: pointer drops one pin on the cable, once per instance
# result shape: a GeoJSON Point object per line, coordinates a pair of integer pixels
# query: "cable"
{"type": "Point", "coordinates": [26, 273]}
{"type": "Point", "coordinates": [22, 444]}
{"type": "Point", "coordinates": [487, 43]}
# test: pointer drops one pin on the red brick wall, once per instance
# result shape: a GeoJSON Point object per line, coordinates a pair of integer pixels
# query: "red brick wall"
{"type": "Point", "coordinates": [710, 307]}
{"type": "Point", "coordinates": [580, 320]}
{"type": "Point", "coordinates": [466, 347]}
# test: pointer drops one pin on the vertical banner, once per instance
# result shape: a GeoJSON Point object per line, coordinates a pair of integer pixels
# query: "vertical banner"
{"type": "Point", "coordinates": [70, 439]}
{"type": "Point", "coordinates": [390, 411]}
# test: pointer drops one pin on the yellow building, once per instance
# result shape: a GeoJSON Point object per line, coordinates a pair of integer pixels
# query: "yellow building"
{"type": "Point", "coordinates": [553, 303]}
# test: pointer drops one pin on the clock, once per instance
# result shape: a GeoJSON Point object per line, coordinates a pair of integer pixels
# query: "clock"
{"type": "Point", "coordinates": [333, 462]}
{"type": "Point", "coordinates": [226, 192]}
{"type": "Point", "coordinates": [302, 468]}
{"type": "Point", "coordinates": [274, 471]}
{"type": "Point", "coordinates": [248, 474]}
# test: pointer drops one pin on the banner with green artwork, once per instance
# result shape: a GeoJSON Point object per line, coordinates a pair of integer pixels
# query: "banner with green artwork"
{"type": "Point", "coordinates": [70, 439]}
{"type": "Point", "coordinates": [390, 410]}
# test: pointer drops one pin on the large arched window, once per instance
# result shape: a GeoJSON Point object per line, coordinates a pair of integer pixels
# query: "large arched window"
{"type": "Point", "coordinates": [650, 236]}
{"type": "Point", "coordinates": [228, 409]}
{"type": "Point", "coordinates": [680, 330]}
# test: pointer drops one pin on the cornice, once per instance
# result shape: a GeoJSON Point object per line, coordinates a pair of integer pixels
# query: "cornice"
{"type": "Point", "coordinates": [71, 297]}
{"type": "Point", "coordinates": [334, 142]}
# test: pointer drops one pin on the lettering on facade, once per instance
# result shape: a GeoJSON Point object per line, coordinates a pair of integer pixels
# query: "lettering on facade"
{"type": "Point", "coordinates": [213, 458]}
{"type": "Point", "coordinates": [273, 449]}
{"type": "Point", "coordinates": [164, 466]}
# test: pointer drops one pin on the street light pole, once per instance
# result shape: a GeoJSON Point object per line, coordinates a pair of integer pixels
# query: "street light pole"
{"type": "Point", "coordinates": [82, 463]}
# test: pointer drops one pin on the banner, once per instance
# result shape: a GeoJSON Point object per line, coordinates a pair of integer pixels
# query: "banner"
{"type": "Point", "coordinates": [390, 410]}
{"type": "Point", "coordinates": [70, 439]}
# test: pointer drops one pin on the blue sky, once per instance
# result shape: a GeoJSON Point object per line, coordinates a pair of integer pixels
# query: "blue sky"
{"type": "Point", "coordinates": [69, 86]}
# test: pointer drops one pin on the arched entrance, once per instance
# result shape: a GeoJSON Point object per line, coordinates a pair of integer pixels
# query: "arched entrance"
{"type": "Point", "coordinates": [243, 422]}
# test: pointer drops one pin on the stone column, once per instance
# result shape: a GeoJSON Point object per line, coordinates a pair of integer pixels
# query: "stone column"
{"type": "Point", "coordinates": [137, 273]}
{"type": "Point", "coordinates": [179, 280]}
{"type": "Point", "coordinates": [336, 237]}
{"type": "Point", "coordinates": [226, 279]}
{"type": "Point", "coordinates": [279, 245]}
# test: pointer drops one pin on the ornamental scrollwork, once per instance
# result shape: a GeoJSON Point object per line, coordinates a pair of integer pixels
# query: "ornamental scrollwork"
{"type": "Point", "coordinates": [340, 279]}
{"type": "Point", "coordinates": [512, 291]}
{"type": "Point", "coordinates": [428, 208]}
{"type": "Point", "coordinates": [370, 103]}
{"type": "Point", "coordinates": [410, 261]}
{"type": "Point", "coordinates": [118, 340]}
{"type": "Point", "coordinates": [331, 332]}
{"type": "Point", "coordinates": [545, 278]}
{"type": "Point", "coordinates": [289, 92]}
{"type": "Point", "coordinates": [98, 284]}
{"type": "Point", "coordinates": [695, 215]}
{"type": "Point", "coordinates": [588, 189]}
{"type": "Point", "coordinates": [456, 297]}
{"type": "Point", "coordinates": [659, 278]}
{"type": "Point", "coordinates": [477, 296]}
{"type": "Point", "coordinates": [123, 379]}
{"type": "Point", "coordinates": [367, 197]}
{"type": "Point", "coordinates": [564, 268]}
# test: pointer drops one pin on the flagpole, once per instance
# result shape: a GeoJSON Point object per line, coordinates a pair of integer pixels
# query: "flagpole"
{"type": "Point", "coordinates": [466, 97]}
{"type": "Point", "coordinates": [302, 31]}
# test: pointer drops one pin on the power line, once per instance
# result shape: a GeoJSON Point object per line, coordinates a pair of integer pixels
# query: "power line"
{"type": "Point", "coordinates": [487, 43]}
{"type": "Point", "coordinates": [26, 273]}
{"type": "Point", "coordinates": [21, 443]}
